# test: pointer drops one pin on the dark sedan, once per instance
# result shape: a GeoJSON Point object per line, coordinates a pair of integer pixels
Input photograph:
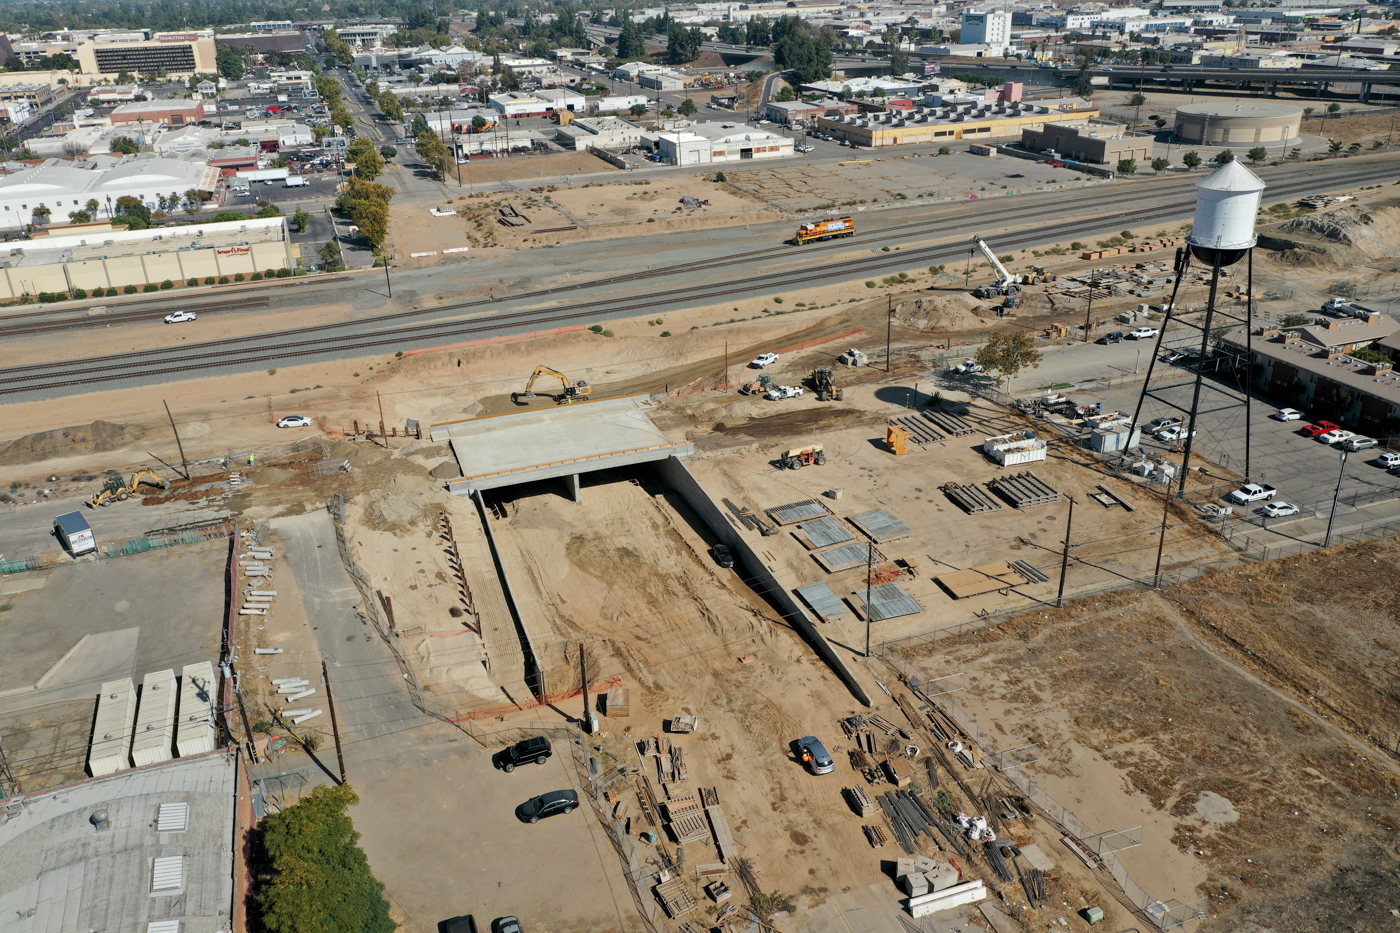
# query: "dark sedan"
{"type": "Point", "coordinates": [556, 801]}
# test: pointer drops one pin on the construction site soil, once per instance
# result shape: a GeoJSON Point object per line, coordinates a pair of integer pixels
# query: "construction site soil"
{"type": "Point", "coordinates": [1246, 721]}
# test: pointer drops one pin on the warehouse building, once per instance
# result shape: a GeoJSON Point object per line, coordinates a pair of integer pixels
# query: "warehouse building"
{"type": "Point", "coordinates": [970, 120]}
{"type": "Point", "coordinates": [1238, 123]}
{"type": "Point", "coordinates": [520, 104]}
{"type": "Point", "coordinates": [63, 187]}
{"type": "Point", "coordinates": [177, 55]}
{"type": "Point", "coordinates": [100, 255]}
{"type": "Point", "coordinates": [563, 99]}
{"type": "Point", "coordinates": [173, 112]}
{"type": "Point", "coordinates": [150, 849]}
{"type": "Point", "coordinates": [599, 133]}
{"type": "Point", "coordinates": [707, 143]}
{"type": "Point", "coordinates": [1100, 142]}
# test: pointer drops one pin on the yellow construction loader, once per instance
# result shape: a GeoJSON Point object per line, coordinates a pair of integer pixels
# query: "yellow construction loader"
{"type": "Point", "coordinates": [117, 489]}
{"type": "Point", "coordinates": [572, 391]}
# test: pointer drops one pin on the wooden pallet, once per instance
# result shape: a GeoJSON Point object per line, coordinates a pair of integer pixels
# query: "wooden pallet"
{"type": "Point", "coordinates": [973, 499]}
{"type": "Point", "coordinates": [675, 811]}
{"type": "Point", "coordinates": [675, 898]}
{"type": "Point", "coordinates": [949, 424]}
{"type": "Point", "coordinates": [920, 431]}
{"type": "Point", "coordinates": [860, 800]}
{"type": "Point", "coordinates": [691, 827]}
{"type": "Point", "coordinates": [1024, 490]}
{"type": "Point", "coordinates": [679, 795]}
{"type": "Point", "coordinates": [875, 836]}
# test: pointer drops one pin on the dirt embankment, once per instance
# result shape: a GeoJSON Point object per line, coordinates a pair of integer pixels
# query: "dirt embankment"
{"type": "Point", "coordinates": [68, 442]}
{"type": "Point", "coordinates": [1345, 236]}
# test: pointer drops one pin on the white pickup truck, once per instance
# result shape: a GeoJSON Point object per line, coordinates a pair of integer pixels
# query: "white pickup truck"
{"type": "Point", "coordinates": [1252, 492]}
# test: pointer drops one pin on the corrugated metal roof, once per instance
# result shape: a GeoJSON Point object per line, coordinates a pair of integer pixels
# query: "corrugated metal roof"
{"type": "Point", "coordinates": [880, 525]}
{"type": "Point", "coordinates": [824, 603]}
{"type": "Point", "coordinates": [890, 601]}
{"type": "Point", "coordinates": [843, 558]}
{"type": "Point", "coordinates": [821, 532]}
{"type": "Point", "coordinates": [173, 818]}
{"type": "Point", "coordinates": [163, 926]}
{"type": "Point", "coordinates": [168, 873]}
{"type": "Point", "coordinates": [797, 511]}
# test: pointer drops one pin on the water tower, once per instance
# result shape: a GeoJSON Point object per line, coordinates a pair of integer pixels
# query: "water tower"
{"type": "Point", "coordinates": [1189, 369]}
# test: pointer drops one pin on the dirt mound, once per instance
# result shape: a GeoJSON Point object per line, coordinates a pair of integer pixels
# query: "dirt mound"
{"type": "Point", "coordinates": [271, 476]}
{"type": "Point", "coordinates": [405, 498]}
{"type": "Point", "coordinates": [949, 314]}
{"type": "Point", "coordinates": [447, 469]}
{"type": "Point", "coordinates": [67, 442]}
{"type": "Point", "coordinates": [1374, 234]}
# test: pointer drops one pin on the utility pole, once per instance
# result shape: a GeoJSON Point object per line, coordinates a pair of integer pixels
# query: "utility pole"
{"type": "Point", "coordinates": [383, 436]}
{"type": "Point", "coordinates": [889, 324]}
{"type": "Point", "coordinates": [1064, 559]}
{"type": "Point", "coordinates": [869, 579]}
{"type": "Point", "coordinates": [1089, 311]}
{"type": "Point", "coordinates": [1162, 538]}
{"type": "Point", "coordinates": [335, 729]}
{"type": "Point", "coordinates": [590, 725]}
{"type": "Point", "coordinates": [1327, 539]}
{"type": "Point", "coordinates": [183, 462]}
{"type": "Point", "coordinates": [387, 284]}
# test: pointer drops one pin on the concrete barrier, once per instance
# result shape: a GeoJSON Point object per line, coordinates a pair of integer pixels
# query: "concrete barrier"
{"type": "Point", "coordinates": [678, 476]}
{"type": "Point", "coordinates": [534, 671]}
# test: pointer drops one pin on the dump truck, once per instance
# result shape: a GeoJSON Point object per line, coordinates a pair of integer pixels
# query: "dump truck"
{"type": "Point", "coordinates": [827, 385]}
{"type": "Point", "coordinates": [800, 457]}
{"type": "Point", "coordinates": [824, 230]}
{"type": "Point", "coordinates": [117, 489]}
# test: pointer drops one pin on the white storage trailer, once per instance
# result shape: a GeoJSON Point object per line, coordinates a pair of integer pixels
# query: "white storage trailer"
{"type": "Point", "coordinates": [264, 174]}
{"type": "Point", "coordinates": [195, 733]}
{"type": "Point", "coordinates": [1011, 449]}
{"type": "Point", "coordinates": [75, 533]}
{"type": "Point", "coordinates": [155, 720]}
{"type": "Point", "coordinates": [110, 751]}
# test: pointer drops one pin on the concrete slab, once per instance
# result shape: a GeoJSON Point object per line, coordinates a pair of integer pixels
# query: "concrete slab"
{"type": "Point", "coordinates": [23, 584]}
{"type": "Point", "coordinates": [80, 673]}
{"type": "Point", "coordinates": [1037, 857]}
{"type": "Point", "coordinates": [506, 450]}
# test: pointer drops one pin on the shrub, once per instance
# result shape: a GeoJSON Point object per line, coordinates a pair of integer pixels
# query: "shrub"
{"type": "Point", "coordinates": [284, 273]}
{"type": "Point", "coordinates": [1076, 245]}
{"type": "Point", "coordinates": [192, 282]}
{"type": "Point", "coordinates": [166, 285]}
{"type": "Point", "coordinates": [79, 293]}
{"type": "Point", "coordinates": [239, 276]}
{"type": "Point", "coordinates": [720, 176]}
{"type": "Point", "coordinates": [270, 273]}
{"type": "Point", "coordinates": [223, 280]}
{"type": "Point", "coordinates": [111, 293]}
{"type": "Point", "coordinates": [208, 280]}
{"type": "Point", "coordinates": [665, 333]}
{"type": "Point", "coordinates": [944, 150]}
{"type": "Point", "coordinates": [596, 328]}
{"type": "Point", "coordinates": [607, 333]}
{"type": "Point", "coordinates": [130, 289]}
{"type": "Point", "coordinates": [257, 276]}
{"type": "Point", "coordinates": [151, 287]}
{"type": "Point", "coordinates": [778, 300]}
{"type": "Point", "coordinates": [870, 283]}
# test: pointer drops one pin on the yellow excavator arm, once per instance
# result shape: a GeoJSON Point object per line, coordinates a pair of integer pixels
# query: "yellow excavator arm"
{"type": "Point", "coordinates": [569, 392]}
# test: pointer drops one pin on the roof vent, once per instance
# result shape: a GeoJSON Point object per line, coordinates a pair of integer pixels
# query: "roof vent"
{"type": "Point", "coordinates": [99, 820]}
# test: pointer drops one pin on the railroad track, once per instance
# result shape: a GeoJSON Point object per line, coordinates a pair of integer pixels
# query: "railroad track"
{"type": "Point", "coordinates": [998, 211]}
{"type": "Point", "coordinates": [308, 342]}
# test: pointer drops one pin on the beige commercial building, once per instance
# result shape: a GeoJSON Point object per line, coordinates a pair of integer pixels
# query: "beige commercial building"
{"type": "Point", "coordinates": [99, 255]}
{"type": "Point", "coordinates": [1098, 141]}
{"type": "Point", "coordinates": [972, 120]}
{"type": "Point", "coordinates": [1238, 123]}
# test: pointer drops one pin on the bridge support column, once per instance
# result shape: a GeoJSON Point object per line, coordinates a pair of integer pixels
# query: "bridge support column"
{"type": "Point", "coordinates": [575, 491]}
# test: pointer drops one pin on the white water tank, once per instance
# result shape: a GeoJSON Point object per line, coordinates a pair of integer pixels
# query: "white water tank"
{"type": "Point", "coordinates": [1227, 201]}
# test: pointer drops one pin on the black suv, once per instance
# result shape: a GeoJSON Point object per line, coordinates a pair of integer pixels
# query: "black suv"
{"type": "Point", "coordinates": [536, 749]}
{"type": "Point", "coordinates": [556, 801]}
{"type": "Point", "coordinates": [1111, 337]}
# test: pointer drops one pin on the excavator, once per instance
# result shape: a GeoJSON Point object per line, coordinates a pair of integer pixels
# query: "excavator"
{"type": "Point", "coordinates": [573, 391]}
{"type": "Point", "coordinates": [117, 489]}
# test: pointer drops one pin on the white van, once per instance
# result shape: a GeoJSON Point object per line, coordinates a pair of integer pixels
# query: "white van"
{"type": "Point", "coordinates": [295, 181]}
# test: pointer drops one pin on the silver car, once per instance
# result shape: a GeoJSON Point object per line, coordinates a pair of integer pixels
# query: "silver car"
{"type": "Point", "coordinates": [815, 756]}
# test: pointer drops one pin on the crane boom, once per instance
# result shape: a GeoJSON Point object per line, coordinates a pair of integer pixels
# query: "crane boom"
{"type": "Point", "coordinates": [1004, 278]}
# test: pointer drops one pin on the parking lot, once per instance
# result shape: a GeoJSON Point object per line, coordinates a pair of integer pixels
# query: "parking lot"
{"type": "Point", "coordinates": [437, 835]}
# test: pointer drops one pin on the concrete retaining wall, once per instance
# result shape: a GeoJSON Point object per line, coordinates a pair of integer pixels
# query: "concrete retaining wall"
{"type": "Point", "coordinates": [679, 477]}
{"type": "Point", "coordinates": [534, 671]}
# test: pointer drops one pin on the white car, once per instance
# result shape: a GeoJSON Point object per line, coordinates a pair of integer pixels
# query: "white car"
{"type": "Point", "coordinates": [1336, 437]}
{"type": "Point", "coordinates": [1175, 433]}
{"type": "Point", "coordinates": [763, 359]}
{"type": "Point", "coordinates": [1279, 509]}
{"type": "Point", "coordinates": [781, 392]}
{"type": "Point", "coordinates": [1389, 459]}
{"type": "Point", "coordinates": [1288, 414]}
{"type": "Point", "coordinates": [295, 421]}
{"type": "Point", "coordinates": [180, 317]}
{"type": "Point", "coordinates": [967, 367]}
{"type": "Point", "coordinates": [1360, 442]}
{"type": "Point", "coordinates": [1142, 333]}
{"type": "Point", "coordinates": [805, 148]}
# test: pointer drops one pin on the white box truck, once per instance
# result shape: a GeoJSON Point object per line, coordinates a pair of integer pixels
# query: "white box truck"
{"type": "Point", "coordinates": [295, 181]}
{"type": "Point", "coordinates": [75, 533]}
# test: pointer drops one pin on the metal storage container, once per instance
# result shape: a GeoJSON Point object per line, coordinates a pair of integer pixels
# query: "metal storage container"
{"type": "Point", "coordinates": [195, 733]}
{"type": "Point", "coordinates": [110, 751]}
{"type": "Point", "coordinates": [155, 720]}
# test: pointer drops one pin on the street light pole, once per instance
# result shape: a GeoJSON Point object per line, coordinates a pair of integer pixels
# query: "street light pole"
{"type": "Point", "coordinates": [1332, 517]}
{"type": "Point", "coordinates": [889, 326]}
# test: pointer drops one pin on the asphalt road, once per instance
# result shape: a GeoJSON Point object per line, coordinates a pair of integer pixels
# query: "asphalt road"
{"type": "Point", "coordinates": [753, 263]}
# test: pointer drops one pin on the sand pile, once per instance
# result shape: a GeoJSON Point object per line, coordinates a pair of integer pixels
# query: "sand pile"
{"type": "Point", "coordinates": [404, 499]}
{"type": "Point", "coordinates": [67, 442]}
{"type": "Point", "coordinates": [1373, 234]}
{"type": "Point", "coordinates": [950, 314]}
{"type": "Point", "coordinates": [447, 469]}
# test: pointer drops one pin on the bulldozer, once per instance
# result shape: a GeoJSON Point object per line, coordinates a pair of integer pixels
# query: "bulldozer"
{"type": "Point", "coordinates": [117, 489]}
{"type": "Point", "coordinates": [800, 457]}
{"type": "Point", "coordinates": [827, 385]}
{"type": "Point", "coordinates": [572, 391]}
